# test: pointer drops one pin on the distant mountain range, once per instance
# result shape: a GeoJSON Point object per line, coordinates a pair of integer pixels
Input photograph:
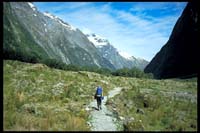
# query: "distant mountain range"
{"type": "Point", "coordinates": [117, 59]}
{"type": "Point", "coordinates": [179, 57]}
{"type": "Point", "coordinates": [46, 36]}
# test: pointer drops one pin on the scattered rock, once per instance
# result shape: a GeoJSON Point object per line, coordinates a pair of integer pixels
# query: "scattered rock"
{"type": "Point", "coordinates": [39, 66]}
{"type": "Point", "coordinates": [141, 111]}
{"type": "Point", "coordinates": [133, 125]}
{"type": "Point", "coordinates": [103, 81]}
{"type": "Point", "coordinates": [114, 106]}
{"type": "Point", "coordinates": [123, 89]}
{"type": "Point", "coordinates": [146, 104]}
{"type": "Point", "coordinates": [87, 109]}
{"type": "Point", "coordinates": [89, 124]}
{"type": "Point", "coordinates": [193, 126]}
{"type": "Point", "coordinates": [114, 119]}
{"type": "Point", "coordinates": [125, 127]}
{"type": "Point", "coordinates": [132, 119]}
{"type": "Point", "coordinates": [58, 85]}
{"type": "Point", "coordinates": [121, 118]}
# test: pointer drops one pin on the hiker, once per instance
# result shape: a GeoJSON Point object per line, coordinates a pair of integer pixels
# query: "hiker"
{"type": "Point", "coordinates": [99, 96]}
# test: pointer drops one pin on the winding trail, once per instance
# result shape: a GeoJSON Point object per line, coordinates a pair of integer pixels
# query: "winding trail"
{"type": "Point", "coordinates": [103, 120]}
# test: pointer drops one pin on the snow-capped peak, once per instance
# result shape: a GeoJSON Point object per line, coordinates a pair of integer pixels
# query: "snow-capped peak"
{"type": "Point", "coordinates": [49, 15]}
{"type": "Point", "coordinates": [67, 26]}
{"type": "Point", "coordinates": [70, 27]}
{"type": "Point", "coordinates": [139, 58]}
{"type": "Point", "coordinates": [132, 58]}
{"type": "Point", "coordinates": [125, 55]}
{"type": "Point", "coordinates": [97, 40]}
{"type": "Point", "coordinates": [32, 6]}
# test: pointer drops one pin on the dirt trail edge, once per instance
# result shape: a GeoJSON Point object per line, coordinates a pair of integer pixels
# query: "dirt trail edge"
{"type": "Point", "coordinates": [103, 120]}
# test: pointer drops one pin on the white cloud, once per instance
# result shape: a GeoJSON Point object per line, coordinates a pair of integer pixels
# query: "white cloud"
{"type": "Point", "coordinates": [60, 7]}
{"type": "Point", "coordinates": [86, 30]}
{"type": "Point", "coordinates": [163, 6]}
{"type": "Point", "coordinates": [128, 32]}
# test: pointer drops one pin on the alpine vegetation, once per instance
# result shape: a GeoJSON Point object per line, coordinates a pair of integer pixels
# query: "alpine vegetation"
{"type": "Point", "coordinates": [57, 78]}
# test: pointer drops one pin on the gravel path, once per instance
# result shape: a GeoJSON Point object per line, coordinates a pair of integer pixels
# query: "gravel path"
{"type": "Point", "coordinates": [103, 120]}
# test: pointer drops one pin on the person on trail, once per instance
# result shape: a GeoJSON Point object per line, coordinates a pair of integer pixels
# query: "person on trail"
{"type": "Point", "coordinates": [99, 96]}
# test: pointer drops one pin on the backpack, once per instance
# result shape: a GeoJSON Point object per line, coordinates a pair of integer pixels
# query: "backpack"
{"type": "Point", "coordinates": [99, 92]}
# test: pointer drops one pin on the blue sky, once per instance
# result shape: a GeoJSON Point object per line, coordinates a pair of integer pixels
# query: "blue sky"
{"type": "Point", "coordinates": [137, 28]}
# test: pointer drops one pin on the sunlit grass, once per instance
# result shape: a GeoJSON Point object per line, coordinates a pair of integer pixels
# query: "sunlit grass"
{"type": "Point", "coordinates": [167, 105]}
{"type": "Point", "coordinates": [36, 97]}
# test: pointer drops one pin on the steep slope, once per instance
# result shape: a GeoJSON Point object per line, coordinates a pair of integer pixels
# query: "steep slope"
{"type": "Point", "coordinates": [109, 52]}
{"type": "Point", "coordinates": [179, 56]}
{"type": "Point", "coordinates": [55, 38]}
{"type": "Point", "coordinates": [16, 38]}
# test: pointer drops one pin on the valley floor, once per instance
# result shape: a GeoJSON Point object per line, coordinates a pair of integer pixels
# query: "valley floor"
{"type": "Point", "coordinates": [36, 97]}
{"type": "Point", "coordinates": [103, 120]}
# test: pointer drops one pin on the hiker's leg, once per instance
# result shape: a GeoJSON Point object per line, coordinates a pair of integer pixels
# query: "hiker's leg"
{"type": "Point", "coordinates": [98, 103]}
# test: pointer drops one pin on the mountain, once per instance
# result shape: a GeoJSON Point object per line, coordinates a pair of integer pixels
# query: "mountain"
{"type": "Point", "coordinates": [44, 36]}
{"type": "Point", "coordinates": [117, 59]}
{"type": "Point", "coordinates": [179, 57]}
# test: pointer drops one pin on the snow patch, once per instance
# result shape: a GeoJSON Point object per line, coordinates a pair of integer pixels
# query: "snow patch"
{"type": "Point", "coordinates": [59, 21]}
{"type": "Point", "coordinates": [67, 26]}
{"type": "Point", "coordinates": [31, 5]}
{"type": "Point", "coordinates": [95, 61]}
{"type": "Point", "coordinates": [99, 46]}
{"type": "Point", "coordinates": [132, 58]}
{"type": "Point", "coordinates": [97, 40]}
{"type": "Point", "coordinates": [49, 15]}
{"type": "Point", "coordinates": [45, 30]}
{"type": "Point", "coordinates": [34, 14]}
{"type": "Point", "coordinates": [138, 58]}
{"type": "Point", "coordinates": [125, 55]}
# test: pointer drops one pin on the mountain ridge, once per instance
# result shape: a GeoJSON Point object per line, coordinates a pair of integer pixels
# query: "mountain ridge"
{"type": "Point", "coordinates": [55, 39]}
{"type": "Point", "coordinates": [179, 56]}
{"type": "Point", "coordinates": [113, 55]}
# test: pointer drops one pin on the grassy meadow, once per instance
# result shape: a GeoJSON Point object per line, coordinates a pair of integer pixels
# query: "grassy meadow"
{"type": "Point", "coordinates": [37, 97]}
{"type": "Point", "coordinates": [157, 105]}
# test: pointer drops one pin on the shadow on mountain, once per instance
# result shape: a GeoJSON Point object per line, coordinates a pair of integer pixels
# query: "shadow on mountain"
{"type": "Point", "coordinates": [178, 58]}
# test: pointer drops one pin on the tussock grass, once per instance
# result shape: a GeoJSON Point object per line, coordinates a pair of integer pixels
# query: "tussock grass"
{"type": "Point", "coordinates": [157, 105]}
{"type": "Point", "coordinates": [36, 97]}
